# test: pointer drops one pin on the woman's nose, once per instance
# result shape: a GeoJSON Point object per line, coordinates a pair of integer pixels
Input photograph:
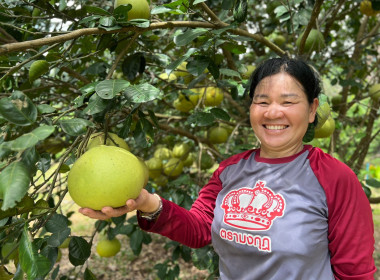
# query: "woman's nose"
{"type": "Point", "coordinates": [274, 111]}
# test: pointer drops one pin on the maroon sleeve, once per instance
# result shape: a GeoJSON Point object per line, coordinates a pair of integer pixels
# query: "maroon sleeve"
{"type": "Point", "coordinates": [189, 227]}
{"type": "Point", "coordinates": [350, 230]}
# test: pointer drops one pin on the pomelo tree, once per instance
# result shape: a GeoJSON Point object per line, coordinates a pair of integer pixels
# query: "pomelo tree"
{"type": "Point", "coordinates": [73, 68]}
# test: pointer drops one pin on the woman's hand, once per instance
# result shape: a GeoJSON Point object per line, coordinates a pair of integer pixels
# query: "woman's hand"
{"type": "Point", "coordinates": [145, 202]}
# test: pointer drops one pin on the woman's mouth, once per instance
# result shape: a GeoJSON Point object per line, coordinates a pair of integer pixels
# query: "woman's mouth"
{"type": "Point", "coordinates": [275, 127]}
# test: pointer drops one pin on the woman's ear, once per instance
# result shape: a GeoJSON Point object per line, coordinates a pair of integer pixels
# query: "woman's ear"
{"type": "Point", "coordinates": [313, 110]}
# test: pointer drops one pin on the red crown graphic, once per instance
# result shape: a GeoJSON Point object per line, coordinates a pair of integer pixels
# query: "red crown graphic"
{"type": "Point", "coordinates": [252, 209]}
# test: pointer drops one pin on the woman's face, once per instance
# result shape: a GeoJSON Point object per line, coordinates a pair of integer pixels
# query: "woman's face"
{"type": "Point", "coordinates": [280, 114]}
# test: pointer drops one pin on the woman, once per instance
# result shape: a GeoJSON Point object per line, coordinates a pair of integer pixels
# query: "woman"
{"type": "Point", "coordinates": [283, 211]}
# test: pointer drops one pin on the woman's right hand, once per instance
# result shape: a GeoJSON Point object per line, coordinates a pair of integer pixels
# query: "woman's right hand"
{"type": "Point", "coordinates": [145, 202]}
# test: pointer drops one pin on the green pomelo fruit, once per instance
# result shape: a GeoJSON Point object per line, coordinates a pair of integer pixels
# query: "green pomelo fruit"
{"type": "Point", "coordinates": [323, 113]}
{"type": "Point", "coordinates": [374, 92]}
{"type": "Point", "coordinates": [162, 153]}
{"type": "Point", "coordinates": [217, 135]}
{"type": "Point", "coordinates": [108, 248]}
{"type": "Point", "coordinates": [326, 130]}
{"type": "Point", "coordinates": [37, 69]}
{"type": "Point", "coordinates": [314, 42]}
{"type": "Point", "coordinates": [173, 167]}
{"type": "Point", "coordinates": [140, 8]}
{"type": "Point", "coordinates": [181, 150]}
{"type": "Point", "coordinates": [154, 166]}
{"type": "Point", "coordinates": [97, 139]}
{"type": "Point", "coordinates": [105, 176]}
{"type": "Point", "coordinates": [206, 161]}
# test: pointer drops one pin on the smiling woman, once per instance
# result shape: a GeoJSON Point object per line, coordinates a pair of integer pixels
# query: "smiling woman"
{"type": "Point", "coordinates": [289, 208]}
{"type": "Point", "coordinates": [280, 114]}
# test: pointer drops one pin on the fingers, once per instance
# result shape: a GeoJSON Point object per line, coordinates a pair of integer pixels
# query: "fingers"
{"type": "Point", "coordinates": [104, 214]}
{"type": "Point", "coordinates": [93, 214]}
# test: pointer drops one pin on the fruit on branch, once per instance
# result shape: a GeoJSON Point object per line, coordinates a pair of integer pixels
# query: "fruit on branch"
{"type": "Point", "coordinates": [173, 167]}
{"type": "Point", "coordinates": [374, 92]}
{"type": "Point", "coordinates": [168, 78]}
{"type": "Point", "coordinates": [162, 153]}
{"type": "Point", "coordinates": [105, 176]}
{"type": "Point", "coordinates": [140, 8]}
{"type": "Point", "coordinates": [323, 113]}
{"type": "Point", "coordinates": [314, 41]}
{"type": "Point", "coordinates": [326, 129]}
{"type": "Point", "coordinates": [185, 103]}
{"type": "Point", "coordinates": [154, 166]}
{"type": "Point", "coordinates": [366, 8]}
{"type": "Point", "coordinates": [97, 139]}
{"type": "Point", "coordinates": [181, 150]}
{"type": "Point", "coordinates": [107, 248]}
{"type": "Point", "coordinates": [217, 135]}
{"type": "Point", "coordinates": [214, 96]}
{"type": "Point", "coordinates": [207, 161]}
{"type": "Point", "coordinates": [247, 74]}
{"type": "Point", "coordinates": [37, 69]}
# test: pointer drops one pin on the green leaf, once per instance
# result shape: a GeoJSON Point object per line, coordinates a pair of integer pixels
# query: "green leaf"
{"type": "Point", "coordinates": [18, 109]}
{"type": "Point", "coordinates": [89, 19]}
{"type": "Point", "coordinates": [185, 38]}
{"type": "Point", "coordinates": [30, 157]}
{"type": "Point", "coordinates": [79, 250]}
{"type": "Point", "coordinates": [14, 184]}
{"type": "Point", "coordinates": [139, 135]}
{"type": "Point", "coordinates": [173, 65]}
{"type": "Point", "coordinates": [33, 264]}
{"type": "Point", "coordinates": [96, 105]}
{"type": "Point", "coordinates": [220, 114]}
{"type": "Point", "coordinates": [58, 237]}
{"type": "Point", "coordinates": [372, 182]}
{"type": "Point", "coordinates": [198, 1]}
{"type": "Point", "coordinates": [75, 126]}
{"type": "Point", "coordinates": [142, 93]}
{"type": "Point", "coordinates": [109, 88]}
{"type": "Point", "coordinates": [160, 10]}
{"type": "Point", "coordinates": [121, 12]}
{"type": "Point", "coordinates": [96, 10]}
{"type": "Point", "coordinates": [201, 118]}
{"type": "Point", "coordinates": [280, 10]}
{"type": "Point", "coordinates": [136, 240]}
{"type": "Point", "coordinates": [88, 275]}
{"type": "Point", "coordinates": [62, 5]}
{"type": "Point", "coordinates": [229, 72]}
{"type": "Point", "coordinates": [89, 88]}
{"type": "Point", "coordinates": [30, 139]}
{"type": "Point", "coordinates": [107, 21]}
{"type": "Point", "coordinates": [57, 223]}
{"type": "Point", "coordinates": [198, 66]}
{"type": "Point", "coordinates": [45, 109]}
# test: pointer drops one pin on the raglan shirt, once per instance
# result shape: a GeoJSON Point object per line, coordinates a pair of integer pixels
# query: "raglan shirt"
{"type": "Point", "coordinates": [301, 217]}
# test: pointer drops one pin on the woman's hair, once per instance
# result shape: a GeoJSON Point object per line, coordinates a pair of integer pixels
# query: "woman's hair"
{"type": "Point", "coordinates": [298, 69]}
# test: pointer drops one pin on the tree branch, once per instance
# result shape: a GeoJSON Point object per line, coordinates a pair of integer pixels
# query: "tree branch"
{"type": "Point", "coordinates": [75, 74]}
{"type": "Point", "coordinates": [21, 46]}
{"type": "Point", "coordinates": [332, 19]}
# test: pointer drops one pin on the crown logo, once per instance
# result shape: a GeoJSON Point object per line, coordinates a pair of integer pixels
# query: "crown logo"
{"type": "Point", "coordinates": [252, 209]}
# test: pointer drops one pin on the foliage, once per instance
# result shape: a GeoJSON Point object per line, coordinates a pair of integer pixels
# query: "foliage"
{"type": "Point", "coordinates": [102, 73]}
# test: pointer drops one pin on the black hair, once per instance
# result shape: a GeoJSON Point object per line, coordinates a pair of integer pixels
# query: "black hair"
{"type": "Point", "coordinates": [297, 68]}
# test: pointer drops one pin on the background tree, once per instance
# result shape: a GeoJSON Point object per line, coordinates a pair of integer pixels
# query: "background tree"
{"type": "Point", "coordinates": [73, 68]}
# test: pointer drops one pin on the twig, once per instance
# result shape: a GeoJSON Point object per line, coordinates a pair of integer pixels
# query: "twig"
{"type": "Point", "coordinates": [121, 55]}
{"type": "Point", "coordinates": [312, 22]}
{"type": "Point", "coordinates": [18, 66]}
